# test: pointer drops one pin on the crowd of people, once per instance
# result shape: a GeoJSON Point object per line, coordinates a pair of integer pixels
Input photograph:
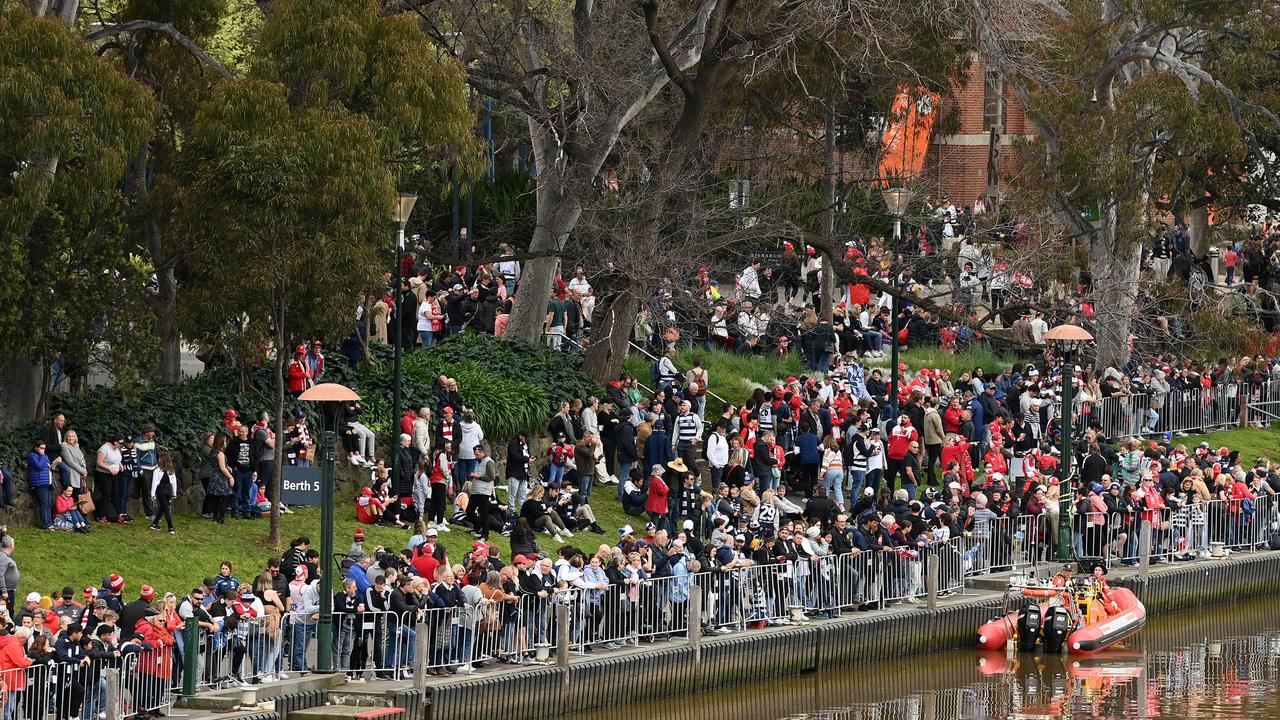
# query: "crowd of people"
{"type": "Point", "coordinates": [832, 464]}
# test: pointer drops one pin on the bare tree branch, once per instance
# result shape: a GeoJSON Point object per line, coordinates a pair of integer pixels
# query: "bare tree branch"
{"type": "Point", "coordinates": [134, 26]}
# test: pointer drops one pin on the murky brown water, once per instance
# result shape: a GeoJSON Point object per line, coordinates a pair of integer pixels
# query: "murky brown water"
{"type": "Point", "coordinates": [1218, 662]}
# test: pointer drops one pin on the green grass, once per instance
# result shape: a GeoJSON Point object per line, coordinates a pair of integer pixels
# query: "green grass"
{"type": "Point", "coordinates": [1251, 442]}
{"type": "Point", "coordinates": [48, 561]}
{"type": "Point", "coordinates": [732, 376]}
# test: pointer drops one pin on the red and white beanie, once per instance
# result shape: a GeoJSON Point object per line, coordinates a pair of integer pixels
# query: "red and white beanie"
{"type": "Point", "coordinates": [115, 582]}
{"type": "Point", "coordinates": [146, 593]}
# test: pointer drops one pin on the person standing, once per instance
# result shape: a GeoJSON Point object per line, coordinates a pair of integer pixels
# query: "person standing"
{"type": "Point", "coordinates": [239, 453]}
{"type": "Point", "coordinates": [9, 574]}
{"type": "Point", "coordinates": [148, 460]}
{"type": "Point", "coordinates": [470, 436]}
{"type": "Point", "coordinates": [73, 462]}
{"type": "Point", "coordinates": [164, 487]}
{"type": "Point", "coordinates": [484, 478]}
{"type": "Point", "coordinates": [519, 458]}
{"type": "Point", "coordinates": [298, 374]}
{"type": "Point", "coordinates": [900, 439]}
{"type": "Point", "coordinates": [222, 483]}
{"type": "Point", "coordinates": [40, 480]}
{"type": "Point", "coordinates": [263, 443]}
{"type": "Point", "coordinates": [106, 468]}
{"type": "Point", "coordinates": [688, 430]}
{"type": "Point", "coordinates": [126, 479]}
{"type": "Point", "coordinates": [933, 437]}
{"type": "Point", "coordinates": [54, 435]}
{"type": "Point", "coordinates": [717, 454]}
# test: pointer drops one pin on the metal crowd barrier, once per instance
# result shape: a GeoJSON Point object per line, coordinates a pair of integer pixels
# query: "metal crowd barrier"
{"type": "Point", "coordinates": [146, 682]}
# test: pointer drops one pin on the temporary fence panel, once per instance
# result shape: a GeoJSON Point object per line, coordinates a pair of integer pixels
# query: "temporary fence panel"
{"type": "Point", "coordinates": [146, 682]}
{"type": "Point", "coordinates": [949, 558]}
{"type": "Point", "coordinates": [1240, 524]}
{"type": "Point", "coordinates": [55, 689]}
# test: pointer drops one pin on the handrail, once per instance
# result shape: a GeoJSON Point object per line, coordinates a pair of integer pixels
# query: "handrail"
{"type": "Point", "coordinates": [583, 348]}
{"type": "Point", "coordinates": [655, 358]}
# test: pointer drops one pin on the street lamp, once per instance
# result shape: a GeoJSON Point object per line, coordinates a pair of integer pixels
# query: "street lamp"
{"type": "Point", "coordinates": [404, 206]}
{"type": "Point", "coordinates": [895, 199]}
{"type": "Point", "coordinates": [328, 396]}
{"type": "Point", "coordinates": [1067, 340]}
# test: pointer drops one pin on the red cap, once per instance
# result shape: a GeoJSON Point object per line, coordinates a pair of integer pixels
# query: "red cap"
{"type": "Point", "coordinates": [519, 559]}
{"type": "Point", "coordinates": [300, 350]}
{"type": "Point", "coordinates": [366, 491]}
{"type": "Point", "coordinates": [811, 251]}
{"type": "Point", "coordinates": [147, 592]}
{"type": "Point", "coordinates": [479, 544]}
{"type": "Point", "coordinates": [791, 379]}
{"type": "Point", "coordinates": [90, 592]}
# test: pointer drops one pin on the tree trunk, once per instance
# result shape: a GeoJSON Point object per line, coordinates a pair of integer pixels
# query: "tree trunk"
{"type": "Point", "coordinates": [169, 369]}
{"type": "Point", "coordinates": [610, 337]}
{"type": "Point", "coordinates": [827, 296]}
{"type": "Point", "coordinates": [529, 314]}
{"type": "Point", "coordinates": [19, 392]}
{"type": "Point", "coordinates": [278, 452]}
{"type": "Point", "coordinates": [1198, 227]}
{"type": "Point", "coordinates": [1115, 263]}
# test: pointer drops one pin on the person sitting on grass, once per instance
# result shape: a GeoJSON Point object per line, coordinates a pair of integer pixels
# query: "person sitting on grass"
{"type": "Point", "coordinates": [369, 508]}
{"type": "Point", "coordinates": [67, 515]}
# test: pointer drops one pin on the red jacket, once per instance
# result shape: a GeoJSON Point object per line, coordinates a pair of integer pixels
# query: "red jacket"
{"type": "Point", "coordinates": [406, 422]}
{"type": "Point", "coordinates": [658, 493]}
{"type": "Point", "coordinates": [900, 438]}
{"type": "Point", "coordinates": [299, 374]}
{"type": "Point", "coordinates": [952, 419]}
{"type": "Point", "coordinates": [13, 656]}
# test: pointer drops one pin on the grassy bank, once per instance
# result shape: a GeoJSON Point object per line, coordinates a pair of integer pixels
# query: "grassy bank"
{"type": "Point", "coordinates": [49, 561]}
{"type": "Point", "coordinates": [991, 362]}
{"type": "Point", "coordinates": [732, 376]}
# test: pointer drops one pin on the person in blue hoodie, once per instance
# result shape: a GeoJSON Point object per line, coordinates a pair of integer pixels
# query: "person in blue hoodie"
{"type": "Point", "coordinates": [40, 480]}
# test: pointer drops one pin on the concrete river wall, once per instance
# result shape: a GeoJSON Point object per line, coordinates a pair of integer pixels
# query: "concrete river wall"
{"type": "Point", "coordinates": [673, 668]}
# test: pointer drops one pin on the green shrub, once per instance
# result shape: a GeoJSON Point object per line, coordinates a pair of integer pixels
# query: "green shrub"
{"type": "Point", "coordinates": [503, 407]}
{"type": "Point", "coordinates": [511, 385]}
{"type": "Point", "coordinates": [555, 373]}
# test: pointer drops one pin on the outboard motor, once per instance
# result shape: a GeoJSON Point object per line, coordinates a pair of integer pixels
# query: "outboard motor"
{"type": "Point", "coordinates": [1056, 628]}
{"type": "Point", "coordinates": [1028, 627]}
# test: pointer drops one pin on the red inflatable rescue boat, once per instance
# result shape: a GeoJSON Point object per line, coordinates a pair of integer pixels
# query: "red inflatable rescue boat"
{"type": "Point", "coordinates": [1082, 621]}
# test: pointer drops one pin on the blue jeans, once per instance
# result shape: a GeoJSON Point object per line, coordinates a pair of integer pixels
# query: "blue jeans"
{"type": "Point", "coordinates": [302, 633]}
{"type": "Point", "coordinates": [874, 340]}
{"type": "Point", "coordinates": [242, 505]}
{"type": "Point", "coordinates": [95, 698]}
{"type": "Point", "coordinates": [44, 504]}
{"type": "Point", "coordinates": [427, 336]}
{"type": "Point", "coordinates": [557, 475]}
{"type": "Point", "coordinates": [856, 480]}
{"type": "Point", "coordinates": [717, 477]}
{"type": "Point", "coordinates": [585, 482]}
{"type": "Point", "coordinates": [464, 468]}
{"type": "Point", "coordinates": [833, 481]}
{"type": "Point", "coordinates": [624, 472]}
{"type": "Point", "coordinates": [400, 642]}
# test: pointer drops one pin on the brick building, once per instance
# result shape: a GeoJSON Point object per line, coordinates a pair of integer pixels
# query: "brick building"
{"type": "Point", "coordinates": [956, 164]}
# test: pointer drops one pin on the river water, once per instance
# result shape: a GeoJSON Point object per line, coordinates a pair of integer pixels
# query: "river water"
{"type": "Point", "coordinates": [1217, 662]}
